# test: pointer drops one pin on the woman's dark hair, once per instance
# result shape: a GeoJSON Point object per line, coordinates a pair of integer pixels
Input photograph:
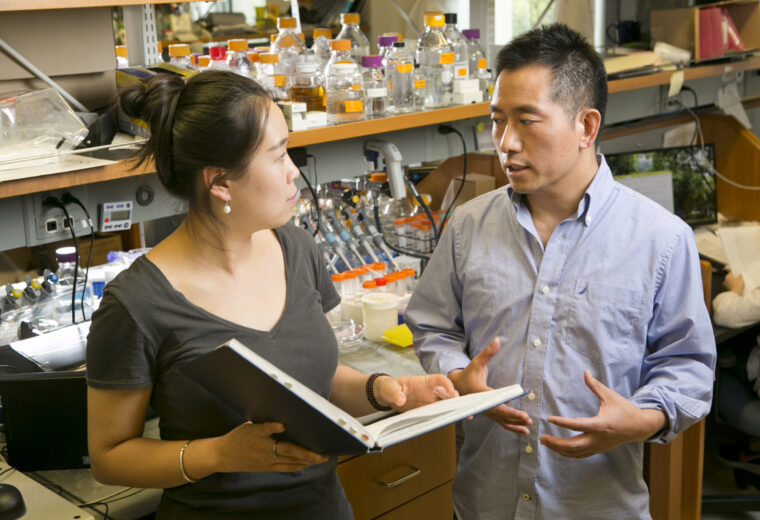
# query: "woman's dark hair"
{"type": "Point", "coordinates": [215, 119]}
{"type": "Point", "coordinates": [579, 79]}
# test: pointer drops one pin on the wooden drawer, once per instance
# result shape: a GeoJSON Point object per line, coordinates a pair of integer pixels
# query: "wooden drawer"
{"type": "Point", "coordinates": [377, 483]}
{"type": "Point", "coordinates": [433, 505]}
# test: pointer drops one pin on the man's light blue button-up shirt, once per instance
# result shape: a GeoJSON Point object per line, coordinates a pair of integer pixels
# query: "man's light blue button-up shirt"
{"type": "Point", "coordinates": [616, 290]}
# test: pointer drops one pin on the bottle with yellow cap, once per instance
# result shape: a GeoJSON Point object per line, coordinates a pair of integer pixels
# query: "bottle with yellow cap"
{"type": "Point", "coordinates": [321, 45]}
{"type": "Point", "coordinates": [121, 57]}
{"type": "Point", "coordinates": [179, 55]}
{"type": "Point", "coordinates": [351, 31]}
{"type": "Point", "coordinates": [272, 75]}
{"type": "Point", "coordinates": [237, 58]}
{"type": "Point", "coordinates": [436, 59]}
{"type": "Point", "coordinates": [288, 45]}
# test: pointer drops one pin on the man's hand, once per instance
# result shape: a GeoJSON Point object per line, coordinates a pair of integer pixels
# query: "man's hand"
{"type": "Point", "coordinates": [734, 283]}
{"type": "Point", "coordinates": [473, 378]}
{"type": "Point", "coordinates": [617, 422]}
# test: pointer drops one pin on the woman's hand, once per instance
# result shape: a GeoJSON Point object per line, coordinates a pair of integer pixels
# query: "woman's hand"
{"type": "Point", "coordinates": [405, 393]}
{"type": "Point", "coordinates": [734, 283]}
{"type": "Point", "coordinates": [251, 447]}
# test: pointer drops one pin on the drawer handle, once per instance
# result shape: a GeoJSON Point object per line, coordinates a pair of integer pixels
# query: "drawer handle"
{"type": "Point", "coordinates": [415, 473]}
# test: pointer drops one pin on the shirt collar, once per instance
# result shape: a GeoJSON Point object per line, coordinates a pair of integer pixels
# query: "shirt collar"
{"type": "Point", "coordinates": [593, 199]}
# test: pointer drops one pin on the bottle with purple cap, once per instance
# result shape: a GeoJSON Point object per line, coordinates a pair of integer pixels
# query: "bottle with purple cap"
{"type": "Point", "coordinates": [375, 87]}
{"type": "Point", "coordinates": [477, 65]}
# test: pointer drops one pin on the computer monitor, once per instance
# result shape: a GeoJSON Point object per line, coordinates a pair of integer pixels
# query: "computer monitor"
{"type": "Point", "coordinates": [691, 172]}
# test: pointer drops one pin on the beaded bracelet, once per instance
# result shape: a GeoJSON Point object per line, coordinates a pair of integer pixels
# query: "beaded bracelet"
{"type": "Point", "coordinates": [370, 388]}
{"type": "Point", "coordinates": [182, 466]}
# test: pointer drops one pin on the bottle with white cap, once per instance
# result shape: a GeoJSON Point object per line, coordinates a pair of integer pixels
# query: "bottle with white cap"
{"type": "Point", "coordinates": [308, 85]}
{"type": "Point", "coordinates": [344, 93]}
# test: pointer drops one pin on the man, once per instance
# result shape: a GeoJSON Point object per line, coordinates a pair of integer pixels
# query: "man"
{"type": "Point", "coordinates": [581, 290]}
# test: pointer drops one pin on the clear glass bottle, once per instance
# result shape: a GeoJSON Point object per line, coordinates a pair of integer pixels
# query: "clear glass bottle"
{"type": "Point", "coordinates": [344, 93]}
{"type": "Point", "coordinates": [436, 59]}
{"type": "Point", "coordinates": [122, 61]}
{"type": "Point", "coordinates": [321, 45]}
{"type": "Point", "coordinates": [308, 85]}
{"type": "Point", "coordinates": [288, 45]}
{"type": "Point", "coordinates": [179, 55]}
{"type": "Point", "coordinates": [340, 52]}
{"type": "Point", "coordinates": [352, 32]}
{"type": "Point", "coordinates": [237, 58]}
{"type": "Point", "coordinates": [218, 55]}
{"type": "Point", "coordinates": [399, 71]}
{"type": "Point", "coordinates": [458, 45]}
{"type": "Point", "coordinates": [253, 57]}
{"type": "Point", "coordinates": [375, 87]}
{"type": "Point", "coordinates": [66, 257]}
{"type": "Point", "coordinates": [385, 46]}
{"type": "Point", "coordinates": [419, 84]}
{"type": "Point", "coordinates": [271, 74]}
{"type": "Point", "coordinates": [477, 65]}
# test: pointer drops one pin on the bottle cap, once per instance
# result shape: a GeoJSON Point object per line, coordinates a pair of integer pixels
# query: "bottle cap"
{"type": "Point", "coordinates": [160, 47]}
{"type": "Point", "coordinates": [408, 271]}
{"type": "Point", "coordinates": [269, 57]}
{"type": "Point", "coordinates": [307, 67]}
{"type": "Point", "coordinates": [378, 177]}
{"type": "Point", "coordinates": [360, 270]}
{"type": "Point", "coordinates": [471, 34]}
{"type": "Point", "coordinates": [378, 266]}
{"type": "Point", "coordinates": [344, 68]}
{"type": "Point", "coordinates": [398, 44]}
{"type": "Point", "coordinates": [381, 282]}
{"type": "Point", "coordinates": [434, 19]}
{"type": "Point", "coordinates": [286, 22]}
{"type": "Point", "coordinates": [218, 52]}
{"type": "Point", "coordinates": [372, 61]}
{"type": "Point", "coordinates": [338, 277]}
{"type": "Point", "coordinates": [237, 45]}
{"type": "Point", "coordinates": [203, 61]}
{"type": "Point", "coordinates": [121, 51]}
{"type": "Point", "coordinates": [253, 56]}
{"type": "Point", "coordinates": [368, 285]}
{"type": "Point", "coordinates": [350, 275]}
{"type": "Point", "coordinates": [65, 254]}
{"type": "Point", "coordinates": [179, 50]}
{"type": "Point", "coordinates": [349, 18]}
{"type": "Point", "coordinates": [321, 31]}
{"type": "Point", "coordinates": [400, 221]}
{"type": "Point", "coordinates": [450, 17]}
{"type": "Point", "coordinates": [386, 41]}
{"type": "Point", "coordinates": [340, 45]}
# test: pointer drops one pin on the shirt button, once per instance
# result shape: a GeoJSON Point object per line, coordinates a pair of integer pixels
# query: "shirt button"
{"type": "Point", "coordinates": [526, 497]}
{"type": "Point", "coordinates": [536, 342]}
{"type": "Point", "coordinates": [545, 289]}
{"type": "Point", "coordinates": [531, 396]}
{"type": "Point", "coordinates": [528, 449]}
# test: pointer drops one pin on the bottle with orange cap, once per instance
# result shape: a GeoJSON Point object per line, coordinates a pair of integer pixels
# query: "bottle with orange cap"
{"type": "Point", "coordinates": [237, 58]}
{"type": "Point", "coordinates": [436, 59]}
{"type": "Point", "coordinates": [340, 52]}
{"type": "Point", "coordinates": [272, 75]}
{"type": "Point", "coordinates": [288, 45]}
{"type": "Point", "coordinates": [122, 61]}
{"type": "Point", "coordinates": [204, 61]}
{"type": "Point", "coordinates": [351, 31]}
{"type": "Point", "coordinates": [179, 55]}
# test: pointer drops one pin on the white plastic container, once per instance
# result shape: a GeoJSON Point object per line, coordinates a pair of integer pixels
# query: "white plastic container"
{"type": "Point", "coordinates": [380, 311]}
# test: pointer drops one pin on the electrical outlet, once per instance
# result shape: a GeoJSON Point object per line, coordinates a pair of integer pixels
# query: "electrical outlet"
{"type": "Point", "coordinates": [44, 223]}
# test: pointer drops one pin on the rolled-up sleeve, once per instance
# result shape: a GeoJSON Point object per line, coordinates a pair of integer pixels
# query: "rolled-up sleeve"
{"type": "Point", "coordinates": [732, 310]}
{"type": "Point", "coordinates": [678, 370]}
{"type": "Point", "coordinates": [434, 313]}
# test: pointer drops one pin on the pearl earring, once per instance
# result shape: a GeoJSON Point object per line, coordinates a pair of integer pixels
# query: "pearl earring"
{"type": "Point", "coordinates": [227, 207]}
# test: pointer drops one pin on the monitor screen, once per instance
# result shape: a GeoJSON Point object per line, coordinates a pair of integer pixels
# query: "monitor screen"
{"type": "Point", "coordinates": [690, 171]}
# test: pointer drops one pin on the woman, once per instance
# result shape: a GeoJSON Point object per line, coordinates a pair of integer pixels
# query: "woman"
{"type": "Point", "coordinates": [233, 269]}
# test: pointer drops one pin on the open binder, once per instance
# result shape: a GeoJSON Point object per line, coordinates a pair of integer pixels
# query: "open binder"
{"type": "Point", "coordinates": [262, 392]}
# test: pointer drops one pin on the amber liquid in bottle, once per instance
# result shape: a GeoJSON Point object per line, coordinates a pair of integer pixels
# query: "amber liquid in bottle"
{"type": "Point", "coordinates": [314, 97]}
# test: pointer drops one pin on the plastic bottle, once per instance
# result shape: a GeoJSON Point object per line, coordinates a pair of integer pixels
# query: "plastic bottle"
{"type": "Point", "coordinates": [477, 65]}
{"type": "Point", "coordinates": [344, 93]}
{"type": "Point", "coordinates": [218, 55]}
{"type": "Point", "coordinates": [271, 74]}
{"type": "Point", "coordinates": [203, 62]}
{"type": "Point", "coordinates": [352, 32]}
{"type": "Point", "coordinates": [179, 55]}
{"type": "Point", "coordinates": [308, 84]}
{"type": "Point", "coordinates": [66, 258]}
{"type": "Point", "coordinates": [436, 58]}
{"type": "Point", "coordinates": [399, 71]}
{"type": "Point", "coordinates": [340, 52]}
{"type": "Point", "coordinates": [321, 45]}
{"type": "Point", "coordinates": [237, 58]}
{"type": "Point", "coordinates": [375, 87]}
{"type": "Point", "coordinates": [288, 45]}
{"type": "Point", "coordinates": [385, 46]}
{"type": "Point", "coordinates": [122, 61]}
{"type": "Point", "coordinates": [419, 85]}
{"type": "Point", "coordinates": [458, 45]}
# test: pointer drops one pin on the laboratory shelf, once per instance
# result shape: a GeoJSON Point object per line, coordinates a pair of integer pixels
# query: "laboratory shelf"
{"type": "Point", "coordinates": [37, 5]}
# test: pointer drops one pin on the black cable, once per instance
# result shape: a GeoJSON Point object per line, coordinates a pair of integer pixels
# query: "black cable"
{"type": "Point", "coordinates": [68, 198]}
{"type": "Point", "coordinates": [447, 129]}
{"type": "Point", "coordinates": [425, 208]}
{"type": "Point", "coordinates": [693, 93]}
{"type": "Point", "coordinates": [55, 202]}
{"type": "Point", "coordinates": [316, 201]}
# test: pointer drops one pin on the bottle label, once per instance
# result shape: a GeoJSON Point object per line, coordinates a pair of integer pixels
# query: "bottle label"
{"type": "Point", "coordinates": [419, 83]}
{"type": "Point", "coordinates": [461, 72]}
{"type": "Point", "coordinates": [377, 92]}
{"type": "Point", "coordinates": [353, 105]}
{"type": "Point", "coordinates": [404, 68]}
{"type": "Point", "coordinates": [482, 63]}
{"type": "Point", "coordinates": [278, 80]}
{"type": "Point", "coordinates": [390, 85]}
{"type": "Point", "coordinates": [446, 58]}
{"type": "Point", "coordinates": [356, 86]}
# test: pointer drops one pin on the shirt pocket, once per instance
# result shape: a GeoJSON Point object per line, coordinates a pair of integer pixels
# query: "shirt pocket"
{"type": "Point", "coordinates": [605, 321]}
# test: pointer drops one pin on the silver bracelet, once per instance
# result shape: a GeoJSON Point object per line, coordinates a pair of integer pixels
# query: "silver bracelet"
{"type": "Point", "coordinates": [182, 466]}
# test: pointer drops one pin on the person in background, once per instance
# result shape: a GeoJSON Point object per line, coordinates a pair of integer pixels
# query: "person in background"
{"type": "Point", "coordinates": [234, 268]}
{"type": "Point", "coordinates": [586, 293]}
{"type": "Point", "coordinates": [733, 308]}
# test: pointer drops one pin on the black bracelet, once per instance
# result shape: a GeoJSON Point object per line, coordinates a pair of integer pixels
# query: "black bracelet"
{"type": "Point", "coordinates": [370, 388]}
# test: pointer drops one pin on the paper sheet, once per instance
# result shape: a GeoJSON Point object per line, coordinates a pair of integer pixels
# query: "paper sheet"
{"type": "Point", "coordinates": [742, 245]}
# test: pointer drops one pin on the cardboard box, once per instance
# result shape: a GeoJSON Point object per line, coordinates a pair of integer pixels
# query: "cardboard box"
{"type": "Point", "coordinates": [688, 27]}
{"type": "Point", "coordinates": [474, 185]}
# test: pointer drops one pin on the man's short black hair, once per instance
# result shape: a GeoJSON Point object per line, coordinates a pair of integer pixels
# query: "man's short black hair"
{"type": "Point", "coordinates": [579, 79]}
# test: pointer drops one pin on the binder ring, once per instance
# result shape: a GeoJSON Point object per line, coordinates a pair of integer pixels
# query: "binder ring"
{"type": "Point", "coordinates": [273, 454]}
